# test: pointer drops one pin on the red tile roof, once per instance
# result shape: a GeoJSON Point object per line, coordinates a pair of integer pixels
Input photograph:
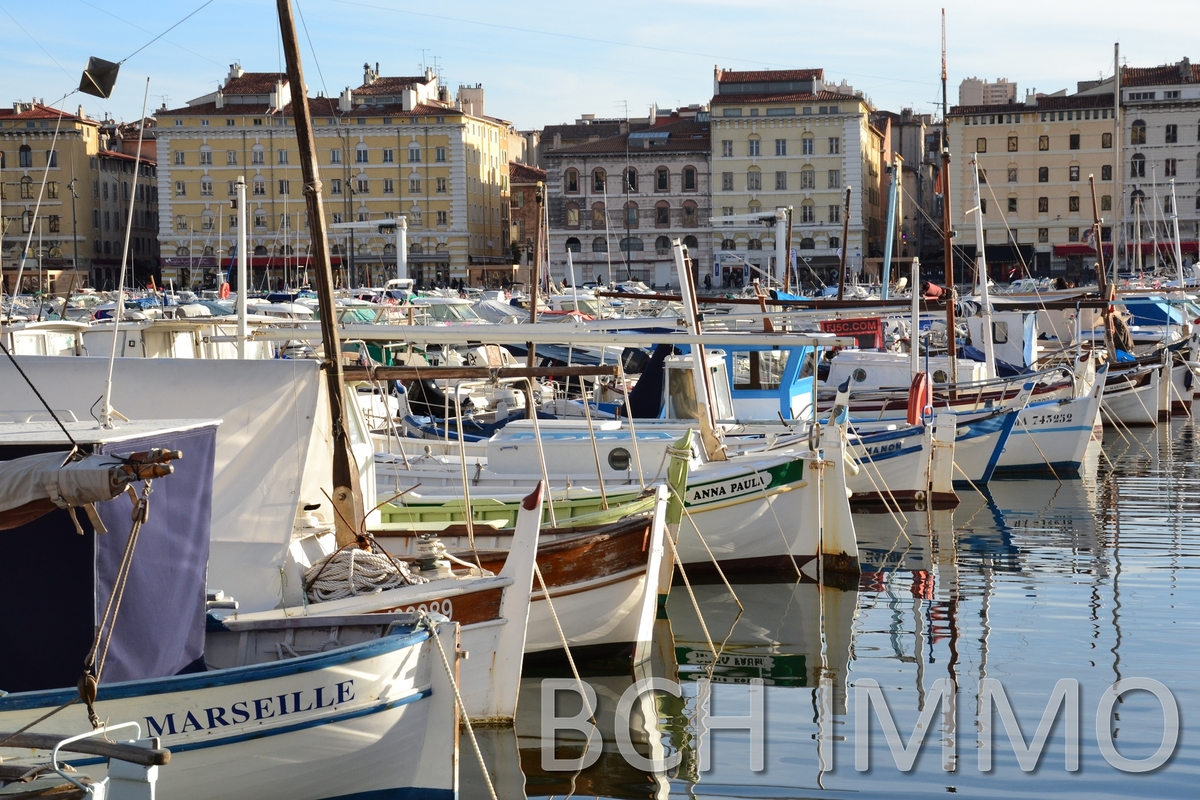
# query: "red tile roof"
{"type": "Point", "coordinates": [685, 136]}
{"type": "Point", "coordinates": [254, 83]}
{"type": "Point", "coordinates": [1169, 74]}
{"type": "Point", "coordinates": [523, 173]}
{"type": "Point", "coordinates": [1058, 103]}
{"type": "Point", "coordinates": [758, 76]}
{"type": "Point", "coordinates": [211, 110]}
{"type": "Point", "coordinates": [126, 157]}
{"type": "Point", "coordinates": [794, 97]}
{"type": "Point", "coordinates": [39, 111]}
{"type": "Point", "coordinates": [389, 85]}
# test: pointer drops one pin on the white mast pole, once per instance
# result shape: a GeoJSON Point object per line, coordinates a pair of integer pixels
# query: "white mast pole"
{"type": "Point", "coordinates": [1175, 232]}
{"type": "Point", "coordinates": [989, 353]}
{"type": "Point", "coordinates": [243, 284]}
{"type": "Point", "coordinates": [915, 334]}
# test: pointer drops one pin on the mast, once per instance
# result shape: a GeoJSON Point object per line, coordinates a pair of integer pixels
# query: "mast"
{"type": "Point", "coordinates": [845, 233]}
{"type": "Point", "coordinates": [947, 232]}
{"type": "Point", "coordinates": [1175, 231]}
{"type": "Point", "coordinates": [347, 494]}
{"type": "Point", "coordinates": [985, 330]}
{"type": "Point", "coordinates": [1118, 175]}
{"type": "Point", "coordinates": [1107, 291]}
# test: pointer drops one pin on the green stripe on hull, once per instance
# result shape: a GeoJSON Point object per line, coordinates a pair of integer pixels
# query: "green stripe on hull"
{"type": "Point", "coordinates": [747, 483]}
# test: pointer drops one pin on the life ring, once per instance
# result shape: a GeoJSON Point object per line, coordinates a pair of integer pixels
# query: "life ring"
{"type": "Point", "coordinates": [919, 397]}
{"type": "Point", "coordinates": [224, 291]}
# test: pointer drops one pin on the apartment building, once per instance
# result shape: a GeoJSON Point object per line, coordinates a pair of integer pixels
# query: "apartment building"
{"type": "Point", "coordinates": [975, 92]}
{"type": "Point", "coordinates": [392, 146]}
{"type": "Point", "coordinates": [786, 138]}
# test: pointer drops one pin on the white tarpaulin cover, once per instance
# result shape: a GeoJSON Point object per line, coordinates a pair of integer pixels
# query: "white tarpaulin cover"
{"type": "Point", "coordinates": [43, 476]}
{"type": "Point", "coordinates": [267, 410]}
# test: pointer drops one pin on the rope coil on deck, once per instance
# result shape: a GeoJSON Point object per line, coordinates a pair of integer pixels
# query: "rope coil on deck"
{"type": "Point", "coordinates": [351, 572]}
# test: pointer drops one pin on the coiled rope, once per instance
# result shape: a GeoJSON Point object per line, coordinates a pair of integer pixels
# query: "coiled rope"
{"type": "Point", "coordinates": [351, 572]}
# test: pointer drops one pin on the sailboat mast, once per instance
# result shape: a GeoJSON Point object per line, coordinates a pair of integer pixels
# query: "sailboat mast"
{"type": "Point", "coordinates": [347, 495]}
{"type": "Point", "coordinates": [947, 232]}
{"type": "Point", "coordinates": [981, 271]}
{"type": "Point", "coordinates": [1106, 290]}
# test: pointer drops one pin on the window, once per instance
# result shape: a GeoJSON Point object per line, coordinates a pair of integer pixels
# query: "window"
{"type": "Point", "coordinates": [1106, 202]}
{"type": "Point", "coordinates": [753, 148]}
{"type": "Point", "coordinates": [52, 190]}
{"type": "Point", "coordinates": [662, 179]}
{"type": "Point", "coordinates": [598, 177]}
{"type": "Point", "coordinates": [361, 155]}
{"type": "Point", "coordinates": [835, 213]}
{"type": "Point", "coordinates": [1072, 234]}
{"type": "Point", "coordinates": [55, 225]}
{"type": "Point", "coordinates": [206, 187]}
{"type": "Point", "coordinates": [1012, 144]}
{"type": "Point", "coordinates": [1043, 174]}
{"type": "Point", "coordinates": [335, 156]}
{"type": "Point", "coordinates": [363, 185]}
{"type": "Point", "coordinates": [1043, 235]}
{"type": "Point", "coordinates": [1043, 205]}
{"type": "Point", "coordinates": [96, 218]}
{"type": "Point", "coordinates": [662, 214]}
{"type": "Point", "coordinates": [414, 154]}
{"type": "Point", "coordinates": [414, 185]}
{"type": "Point", "coordinates": [207, 223]}
{"type": "Point", "coordinates": [1073, 203]}
{"type": "Point", "coordinates": [181, 223]}
{"type": "Point", "coordinates": [1170, 167]}
{"type": "Point", "coordinates": [440, 185]}
{"type": "Point", "coordinates": [442, 217]}
{"type": "Point", "coordinates": [1073, 173]}
{"type": "Point", "coordinates": [1012, 174]}
{"type": "Point", "coordinates": [727, 181]}
{"type": "Point", "coordinates": [981, 145]}
{"type": "Point", "coordinates": [440, 155]}
{"type": "Point", "coordinates": [780, 180]}
{"type": "Point", "coordinates": [983, 205]}
{"type": "Point", "coordinates": [260, 219]}
{"type": "Point", "coordinates": [335, 186]}
{"type": "Point", "coordinates": [808, 214]}
{"type": "Point", "coordinates": [1012, 205]}
{"type": "Point", "coordinates": [26, 157]}
{"type": "Point", "coordinates": [282, 156]}
{"type": "Point", "coordinates": [571, 181]}
{"type": "Point", "coordinates": [808, 145]}
{"type": "Point", "coordinates": [631, 215]}
{"type": "Point", "coordinates": [284, 185]}
{"type": "Point", "coordinates": [835, 179]}
{"type": "Point", "coordinates": [728, 244]}
{"type": "Point", "coordinates": [231, 158]}
{"type": "Point", "coordinates": [754, 244]}
{"type": "Point", "coordinates": [781, 147]}
{"type": "Point", "coordinates": [1137, 133]}
{"type": "Point", "coordinates": [260, 185]}
{"type": "Point", "coordinates": [632, 243]}
{"type": "Point", "coordinates": [1043, 143]}
{"type": "Point", "coordinates": [1106, 172]}
{"type": "Point", "coordinates": [233, 220]}
{"type": "Point", "coordinates": [258, 156]}
{"type": "Point", "coordinates": [179, 158]}
{"type": "Point", "coordinates": [389, 156]}
{"type": "Point", "coordinates": [835, 145]}
{"type": "Point", "coordinates": [1137, 166]}
{"type": "Point", "coordinates": [1172, 134]}
{"type": "Point", "coordinates": [571, 218]}
{"type": "Point", "coordinates": [1106, 141]}
{"type": "Point", "coordinates": [690, 215]}
{"type": "Point", "coordinates": [1074, 141]}
{"type": "Point", "coordinates": [180, 189]}
{"type": "Point", "coordinates": [727, 148]}
{"type": "Point", "coordinates": [753, 181]}
{"type": "Point", "coordinates": [808, 178]}
{"type": "Point", "coordinates": [206, 157]}
{"type": "Point", "coordinates": [662, 246]}
{"type": "Point", "coordinates": [96, 188]}
{"type": "Point", "coordinates": [389, 186]}
{"type": "Point", "coordinates": [689, 179]}
{"type": "Point", "coordinates": [599, 245]}
{"type": "Point", "coordinates": [631, 180]}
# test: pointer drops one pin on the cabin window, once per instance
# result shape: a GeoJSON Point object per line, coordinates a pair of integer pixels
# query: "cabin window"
{"type": "Point", "coordinates": [618, 459]}
{"type": "Point", "coordinates": [758, 369]}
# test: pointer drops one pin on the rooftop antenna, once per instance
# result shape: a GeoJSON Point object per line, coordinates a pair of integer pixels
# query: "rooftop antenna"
{"type": "Point", "coordinates": [424, 50]}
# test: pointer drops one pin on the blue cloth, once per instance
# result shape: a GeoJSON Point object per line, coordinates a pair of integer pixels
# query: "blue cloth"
{"type": "Point", "coordinates": [1003, 368]}
{"type": "Point", "coordinates": [1123, 356]}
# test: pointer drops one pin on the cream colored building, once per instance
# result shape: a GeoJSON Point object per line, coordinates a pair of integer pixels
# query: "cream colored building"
{"type": "Point", "coordinates": [975, 92]}
{"type": "Point", "coordinates": [785, 138]}
{"type": "Point", "coordinates": [392, 146]}
{"type": "Point", "coordinates": [1036, 159]}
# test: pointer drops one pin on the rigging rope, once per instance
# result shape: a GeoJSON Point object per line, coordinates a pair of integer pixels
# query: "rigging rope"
{"type": "Point", "coordinates": [351, 572]}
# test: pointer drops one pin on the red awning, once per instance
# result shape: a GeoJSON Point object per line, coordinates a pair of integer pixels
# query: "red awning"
{"type": "Point", "coordinates": [1078, 249]}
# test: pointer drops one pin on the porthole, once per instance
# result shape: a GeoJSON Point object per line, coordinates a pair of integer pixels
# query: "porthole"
{"type": "Point", "coordinates": [859, 375]}
{"type": "Point", "coordinates": [618, 459]}
{"type": "Point", "coordinates": [940, 376]}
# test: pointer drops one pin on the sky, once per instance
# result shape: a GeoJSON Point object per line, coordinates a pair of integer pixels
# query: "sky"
{"type": "Point", "coordinates": [546, 61]}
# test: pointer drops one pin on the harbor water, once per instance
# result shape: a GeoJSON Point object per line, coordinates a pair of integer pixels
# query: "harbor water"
{"type": "Point", "coordinates": [1031, 585]}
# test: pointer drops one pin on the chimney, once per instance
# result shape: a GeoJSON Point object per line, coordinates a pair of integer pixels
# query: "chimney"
{"type": "Point", "coordinates": [346, 100]}
{"type": "Point", "coordinates": [235, 71]}
{"type": "Point", "coordinates": [369, 76]}
{"type": "Point", "coordinates": [1185, 70]}
{"type": "Point", "coordinates": [220, 101]}
{"type": "Point", "coordinates": [653, 114]}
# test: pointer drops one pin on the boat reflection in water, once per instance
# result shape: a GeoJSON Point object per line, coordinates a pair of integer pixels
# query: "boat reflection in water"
{"type": "Point", "coordinates": [777, 637]}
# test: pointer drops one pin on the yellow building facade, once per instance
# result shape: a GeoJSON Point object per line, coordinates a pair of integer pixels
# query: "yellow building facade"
{"type": "Point", "coordinates": [1036, 159]}
{"type": "Point", "coordinates": [785, 138]}
{"type": "Point", "coordinates": [391, 147]}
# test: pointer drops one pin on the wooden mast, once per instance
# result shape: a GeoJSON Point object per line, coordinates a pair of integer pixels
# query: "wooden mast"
{"type": "Point", "coordinates": [947, 232]}
{"type": "Point", "coordinates": [844, 248]}
{"type": "Point", "coordinates": [347, 494]}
